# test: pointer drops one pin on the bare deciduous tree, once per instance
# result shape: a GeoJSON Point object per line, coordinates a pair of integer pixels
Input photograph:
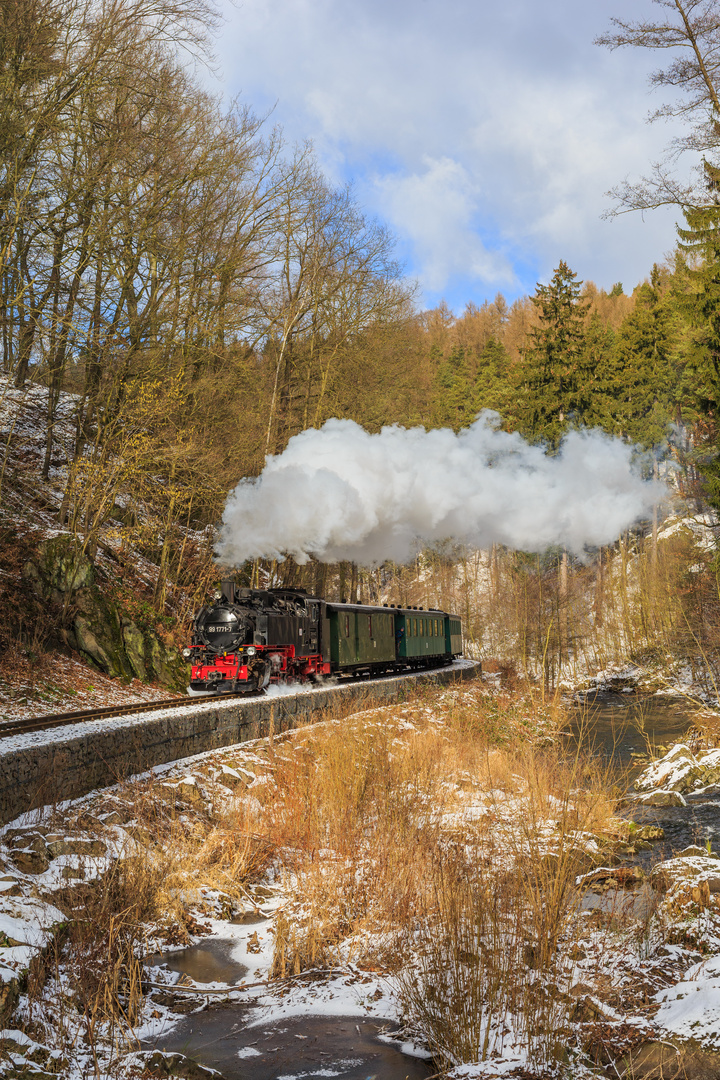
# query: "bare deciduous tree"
{"type": "Point", "coordinates": [689, 31]}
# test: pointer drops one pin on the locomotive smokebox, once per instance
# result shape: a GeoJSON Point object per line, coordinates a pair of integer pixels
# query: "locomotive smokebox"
{"type": "Point", "coordinates": [221, 629]}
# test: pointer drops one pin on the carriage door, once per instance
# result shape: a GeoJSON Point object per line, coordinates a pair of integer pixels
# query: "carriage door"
{"type": "Point", "coordinates": [313, 641]}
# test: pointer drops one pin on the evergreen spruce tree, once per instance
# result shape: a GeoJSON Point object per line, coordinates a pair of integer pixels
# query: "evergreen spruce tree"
{"type": "Point", "coordinates": [491, 381]}
{"type": "Point", "coordinates": [700, 301]}
{"type": "Point", "coordinates": [644, 380]}
{"type": "Point", "coordinates": [552, 380]}
{"type": "Point", "coordinates": [600, 363]}
{"type": "Point", "coordinates": [453, 392]}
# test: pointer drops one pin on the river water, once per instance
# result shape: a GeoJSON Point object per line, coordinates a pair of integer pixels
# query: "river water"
{"type": "Point", "coordinates": [622, 729]}
{"type": "Point", "coordinates": [346, 1047]}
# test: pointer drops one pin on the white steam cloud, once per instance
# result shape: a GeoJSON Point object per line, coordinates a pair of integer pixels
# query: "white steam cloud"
{"type": "Point", "coordinates": [342, 493]}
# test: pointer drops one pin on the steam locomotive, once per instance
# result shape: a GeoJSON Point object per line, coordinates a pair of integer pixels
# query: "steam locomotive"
{"type": "Point", "coordinates": [247, 639]}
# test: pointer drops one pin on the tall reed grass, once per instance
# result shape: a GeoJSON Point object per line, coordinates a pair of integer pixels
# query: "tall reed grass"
{"type": "Point", "coordinates": [442, 842]}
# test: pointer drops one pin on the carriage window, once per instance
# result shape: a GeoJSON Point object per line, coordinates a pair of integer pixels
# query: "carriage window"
{"type": "Point", "coordinates": [370, 633]}
{"type": "Point", "coordinates": [347, 626]}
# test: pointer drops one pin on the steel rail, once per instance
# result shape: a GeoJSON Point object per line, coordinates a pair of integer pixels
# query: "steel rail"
{"type": "Point", "coordinates": [106, 712]}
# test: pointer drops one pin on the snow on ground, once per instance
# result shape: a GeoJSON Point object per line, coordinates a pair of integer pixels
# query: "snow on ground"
{"type": "Point", "coordinates": [636, 978]}
{"type": "Point", "coordinates": [691, 1008]}
{"type": "Point", "coordinates": [185, 706]}
{"type": "Point", "coordinates": [70, 686]}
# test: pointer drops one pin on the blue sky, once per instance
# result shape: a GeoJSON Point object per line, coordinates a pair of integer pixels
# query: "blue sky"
{"type": "Point", "coordinates": [483, 134]}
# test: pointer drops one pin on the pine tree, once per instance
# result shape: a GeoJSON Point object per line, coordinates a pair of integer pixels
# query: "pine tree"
{"type": "Point", "coordinates": [552, 390]}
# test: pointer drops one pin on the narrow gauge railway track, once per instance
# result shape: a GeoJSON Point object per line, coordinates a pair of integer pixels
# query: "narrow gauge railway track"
{"type": "Point", "coordinates": [42, 723]}
{"type": "Point", "coordinates": [52, 720]}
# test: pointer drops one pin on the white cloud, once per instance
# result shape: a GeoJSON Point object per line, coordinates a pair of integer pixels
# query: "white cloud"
{"type": "Point", "coordinates": [484, 134]}
{"type": "Point", "coordinates": [435, 209]}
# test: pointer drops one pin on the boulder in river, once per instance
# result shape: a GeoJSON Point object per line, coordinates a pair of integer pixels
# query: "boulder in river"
{"type": "Point", "coordinates": [681, 770]}
{"type": "Point", "coordinates": [700, 872]}
{"type": "Point", "coordinates": [662, 798]}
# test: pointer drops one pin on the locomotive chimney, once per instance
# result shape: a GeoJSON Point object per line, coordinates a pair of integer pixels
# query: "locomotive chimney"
{"type": "Point", "coordinates": [227, 589]}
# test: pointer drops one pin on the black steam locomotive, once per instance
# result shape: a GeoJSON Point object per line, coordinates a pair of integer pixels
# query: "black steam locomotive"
{"type": "Point", "coordinates": [249, 638]}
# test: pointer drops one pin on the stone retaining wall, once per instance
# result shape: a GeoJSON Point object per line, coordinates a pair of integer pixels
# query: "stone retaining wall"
{"type": "Point", "coordinates": [68, 762]}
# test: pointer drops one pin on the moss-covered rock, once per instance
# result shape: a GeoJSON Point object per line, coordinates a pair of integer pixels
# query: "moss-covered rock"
{"type": "Point", "coordinates": [98, 632]}
{"type": "Point", "coordinates": [62, 574]}
{"type": "Point", "coordinates": [151, 659]}
{"type": "Point", "coordinates": [60, 567]}
{"type": "Point", "coordinates": [134, 641]}
{"type": "Point", "coordinates": [168, 666]}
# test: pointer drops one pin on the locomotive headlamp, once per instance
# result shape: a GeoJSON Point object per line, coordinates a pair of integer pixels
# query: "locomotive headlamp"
{"type": "Point", "coordinates": [251, 651]}
{"type": "Point", "coordinates": [217, 595]}
{"type": "Point", "coordinates": [186, 653]}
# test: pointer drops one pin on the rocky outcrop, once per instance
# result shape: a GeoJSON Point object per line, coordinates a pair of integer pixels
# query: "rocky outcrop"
{"type": "Point", "coordinates": [694, 876]}
{"type": "Point", "coordinates": [680, 771]}
{"type": "Point", "coordinates": [61, 574]}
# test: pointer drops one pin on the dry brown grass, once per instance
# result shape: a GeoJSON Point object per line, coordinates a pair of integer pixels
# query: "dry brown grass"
{"type": "Point", "coordinates": [89, 987]}
{"type": "Point", "coordinates": [483, 957]}
{"type": "Point", "coordinates": [439, 838]}
{"type": "Point", "coordinates": [385, 820]}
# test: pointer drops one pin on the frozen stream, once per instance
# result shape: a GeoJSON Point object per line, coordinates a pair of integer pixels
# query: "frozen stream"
{"type": "Point", "coordinates": [256, 1036]}
{"type": "Point", "coordinates": [349, 1048]}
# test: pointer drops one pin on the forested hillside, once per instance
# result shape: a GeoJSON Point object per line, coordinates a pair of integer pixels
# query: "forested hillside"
{"type": "Point", "coordinates": [181, 291]}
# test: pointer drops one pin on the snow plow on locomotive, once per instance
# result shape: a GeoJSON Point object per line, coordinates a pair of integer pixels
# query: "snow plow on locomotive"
{"type": "Point", "coordinates": [247, 639]}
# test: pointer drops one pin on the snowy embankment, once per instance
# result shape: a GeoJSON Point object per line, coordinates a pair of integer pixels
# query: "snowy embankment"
{"type": "Point", "coordinates": [70, 760]}
{"type": "Point", "coordinates": [196, 706]}
{"type": "Point", "coordinates": [234, 869]}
